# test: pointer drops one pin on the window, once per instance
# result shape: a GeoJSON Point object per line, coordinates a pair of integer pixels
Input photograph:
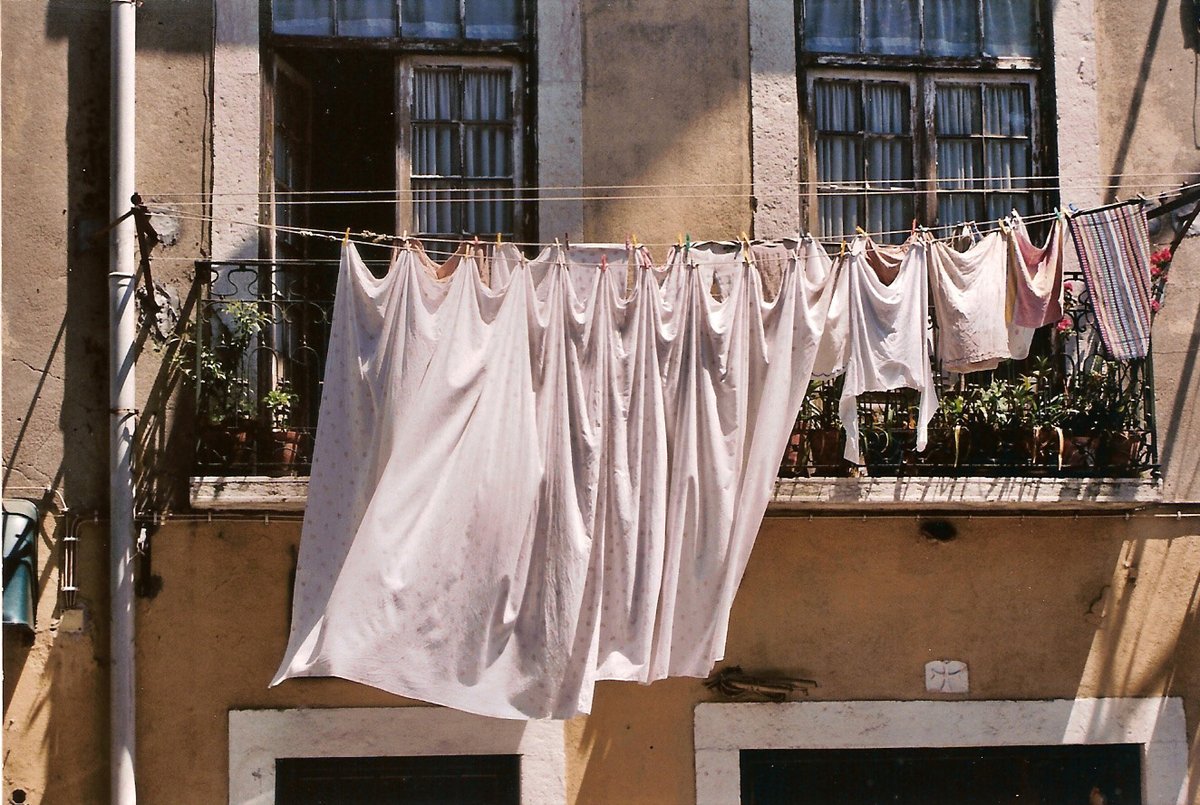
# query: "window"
{"type": "Point", "coordinates": [400, 115]}
{"type": "Point", "coordinates": [449, 780]}
{"type": "Point", "coordinates": [920, 110]}
{"type": "Point", "coordinates": [346, 755]}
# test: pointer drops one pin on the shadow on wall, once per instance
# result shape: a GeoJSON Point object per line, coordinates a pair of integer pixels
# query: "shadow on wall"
{"type": "Point", "coordinates": [1188, 25]}
{"type": "Point", "coordinates": [55, 688]}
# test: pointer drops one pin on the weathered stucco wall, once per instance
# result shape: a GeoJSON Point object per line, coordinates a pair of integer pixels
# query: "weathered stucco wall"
{"type": "Point", "coordinates": [1039, 608]}
{"type": "Point", "coordinates": [55, 361]}
{"type": "Point", "coordinates": [1149, 84]}
{"type": "Point", "coordinates": [666, 106]}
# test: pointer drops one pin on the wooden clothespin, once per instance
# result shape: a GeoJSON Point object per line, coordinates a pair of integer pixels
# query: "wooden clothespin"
{"type": "Point", "coordinates": [843, 252]}
{"type": "Point", "coordinates": [346, 239]}
{"type": "Point", "coordinates": [913, 231]}
{"type": "Point", "coordinates": [497, 238]}
{"type": "Point", "coordinates": [567, 240]}
{"type": "Point", "coordinates": [604, 262]}
{"type": "Point", "coordinates": [633, 237]}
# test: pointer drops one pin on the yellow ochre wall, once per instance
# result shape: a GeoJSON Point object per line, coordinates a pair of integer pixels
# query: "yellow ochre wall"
{"type": "Point", "coordinates": [1039, 608]}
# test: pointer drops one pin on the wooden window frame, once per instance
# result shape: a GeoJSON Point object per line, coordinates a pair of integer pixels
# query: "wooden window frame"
{"type": "Point", "coordinates": [405, 68]}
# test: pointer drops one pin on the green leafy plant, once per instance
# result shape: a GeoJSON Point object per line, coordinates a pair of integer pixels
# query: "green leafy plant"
{"type": "Point", "coordinates": [279, 402]}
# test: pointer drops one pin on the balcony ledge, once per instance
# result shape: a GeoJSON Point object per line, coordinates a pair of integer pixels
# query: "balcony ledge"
{"type": "Point", "coordinates": [261, 493]}
{"type": "Point", "coordinates": [970, 494]}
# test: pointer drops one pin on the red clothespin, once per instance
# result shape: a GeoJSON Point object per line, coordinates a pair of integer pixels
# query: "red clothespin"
{"type": "Point", "coordinates": [604, 262]}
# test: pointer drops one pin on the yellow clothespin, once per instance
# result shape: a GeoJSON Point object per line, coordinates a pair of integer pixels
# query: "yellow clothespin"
{"type": "Point", "coordinates": [346, 239]}
{"type": "Point", "coordinates": [861, 231]}
{"type": "Point", "coordinates": [497, 238]}
{"type": "Point", "coordinates": [843, 252]}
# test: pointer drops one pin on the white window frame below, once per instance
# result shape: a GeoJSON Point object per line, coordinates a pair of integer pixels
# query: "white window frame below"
{"type": "Point", "coordinates": [1157, 723]}
{"type": "Point", "coordinates": [258, 737]}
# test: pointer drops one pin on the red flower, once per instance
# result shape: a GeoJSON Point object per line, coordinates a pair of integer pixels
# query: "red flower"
{"type": "Point", "coordinates": [1156, 271]}
{"type": "Point", "coordinates": [1065, 325]}
{"type": "Point", "coordinates": [1155, 305]}
{"type": "Point", "coordinates": [1161, 257]}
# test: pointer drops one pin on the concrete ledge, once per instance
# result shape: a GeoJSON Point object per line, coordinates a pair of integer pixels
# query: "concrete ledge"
{"type": "Point", "coordinates": [248, 493]}
{"type": "Point", "coordinates": [260, 493]}
{"type": "Point", "coordinates": [924, 494]}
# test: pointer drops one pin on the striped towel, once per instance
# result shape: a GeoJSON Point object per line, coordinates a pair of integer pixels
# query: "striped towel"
{"type": "Point", "coordinates": [1113, 245]}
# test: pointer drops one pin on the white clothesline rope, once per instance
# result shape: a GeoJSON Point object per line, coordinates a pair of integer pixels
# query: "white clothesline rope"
{"type": "Point", "coordinates": [368, 238]}
{"type": "Point", "coordinates": [1076, 181]}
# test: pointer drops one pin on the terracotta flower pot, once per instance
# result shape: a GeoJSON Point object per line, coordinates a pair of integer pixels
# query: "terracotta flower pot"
{"type": "Point", "coordinates": [286, 450]}
{"type": "Point", "coordinates": [1122, 451]}
{"type": "Point", "coordinates": [825, 447]}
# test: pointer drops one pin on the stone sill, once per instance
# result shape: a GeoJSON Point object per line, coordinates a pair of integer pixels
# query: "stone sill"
{"type": "Point", "coordinates": [259, 493]}
{"type": "Point", "coordinates": [972, 494]}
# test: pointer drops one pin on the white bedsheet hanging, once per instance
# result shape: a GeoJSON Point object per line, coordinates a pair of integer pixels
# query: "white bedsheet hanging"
{"type": "Point", "coordinates": [969, 293]}
{"type": "Point", "coordinates": [520, 491]}
{"type": "Point", "coordinates": [889, 332]}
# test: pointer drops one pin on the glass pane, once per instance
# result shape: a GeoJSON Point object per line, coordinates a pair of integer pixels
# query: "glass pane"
{"type": "Point", "coordinates": [1008, 28]}
{"type": "Point", "coordinates": [430, 19]}
{"type": "Point", "coordinates": [434, 210]}
{"type": "Point", "coordinates": [1001, 204]}
{"type": "Point", "coordinates": [1006, 110]}
{"type": "Point", "coordinates": [891, 26]}
{"type": "Point", "coordinates": [303, 17]}
{"type": "Point", "coordinates": [889, 162]}
{"type": "Point", "coordinates": [837, 106]}
{"type": "Point", "coordinates": [435, 150]}
{"type": "Point", "coordinates": [366, 17]}
{"type": "Point", "coordinates": [830, 26]}
{"type": "Point", "coordinates": [957, 111]}
{"type": "Point", "coordinates": [435, 94]}
{"type": "Point", "coordinates": [493, 19]}
{"type": "Point", "coordinates": [486, 95]}
{"type": "Point", "coordinates": [1008, 163]}
{"type": "Point", "coordinates": [960, 164]}
{"type": "Point", "coordinates": [887, 108]}
{"type": "Point", "coordinates": [957, 208]}
{"type": "Point", "coordinates": [951, 27]}
{"type": "Point", "coordinates": [487, 152]}
{"type": "Point", "coordinates": [889, 217]}
{"type": "Point", "coordinates": [839, 160]}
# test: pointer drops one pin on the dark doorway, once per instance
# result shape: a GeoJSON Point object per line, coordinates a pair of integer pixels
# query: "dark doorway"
{"type": "Point", "coordinates": [434, 780]}
{"type": "Point", "coordinates": [1016, 775]}
{"type": "Point", "coordinates": [352, 141]}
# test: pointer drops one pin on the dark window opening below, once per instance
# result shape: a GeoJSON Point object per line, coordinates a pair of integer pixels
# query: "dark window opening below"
{"type": "Point", "coordinates": [428, 780]}
{"type": "Point", "coordinates": [1010, 775]}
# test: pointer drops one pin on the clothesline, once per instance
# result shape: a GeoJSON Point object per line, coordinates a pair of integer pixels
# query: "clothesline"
{"type": "Point", "coordinates": [368, 238]}
{"type": "Point", "coordinates": [865, 184]}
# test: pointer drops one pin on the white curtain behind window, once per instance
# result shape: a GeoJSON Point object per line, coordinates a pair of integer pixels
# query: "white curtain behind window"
{"type": "Point", "coordinates": [891, 26]}
{"type": "Point", "coordinates": [889, 159]}
{"type": "Point", "coordinates": [960, 157]}
{"type": "Point", "coordinates": [1008, 28]}
{"type": "Point", "coordinates": [429, 19]}
{"type": "Point", "coordinates": [1006, 115]}
{"type": "Point", "coordinates": [830, 26]}
{"type": "Point", "coordinates": [304, 17]}
{"type": "Point", "coordinates": [493, 19]}
{"type": "Point", "coordinates": [435, 147]}
{"type": "Point", "coordinates": [366, 17]}
{"type": "Point", "coordinates": [839, 155]}
{"type": "Point", "coordinates": [951, 27]}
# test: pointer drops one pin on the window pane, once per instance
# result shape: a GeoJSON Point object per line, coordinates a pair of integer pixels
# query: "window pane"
{"type": "Point", "coordinates": [304, 17]}
{"type": "Point", "coordinates": [957, 111]}
{"type": "Point", "coordinates": [837, 106]}
{"type": "Point", "coordinates": [493, 19]}
{"type": "Point", "coordinates": [951, 27]}
{"type": "Point", "coordinates": [887, 108]}
{"type": "Point", "coordinates": [1007, 110]}
{"type": "Point", "coordinates": [1008, 28]}
{"type": "Point", "coordinates": [960, 164]}
{"type": "Point", "coordinates": [891, 26]}
{"type": "Point", "coordinates": [1008, 163]}
{"type": "Point", "coordinates": [486, 95]}
{"type": "Point", "coordinates": [830, 26]}
{"type": "Point", "coordinates": [430, 19]}
{"type": "Point", "coordinates": [366, 17]}
{"type": "Point", "coordinates": [434, 94]}
{"type": "Point", "coordinates": [839, 169]}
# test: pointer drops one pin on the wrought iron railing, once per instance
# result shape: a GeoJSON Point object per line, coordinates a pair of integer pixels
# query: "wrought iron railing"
{"type": "Point", "coordinates": [258, 350]}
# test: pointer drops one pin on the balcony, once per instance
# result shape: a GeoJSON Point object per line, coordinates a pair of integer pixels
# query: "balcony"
{"type": "Point", "coordinates": [1065, 428]}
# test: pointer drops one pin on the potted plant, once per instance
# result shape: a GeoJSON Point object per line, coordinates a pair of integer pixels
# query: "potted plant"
{"type": "Point", "coordinates": [818, 441]}
{"type": "Point", "coordinates": [949, 433]}
{"type": "Point", "coordinates": [285, 440]}
{"type": "Point", "coordinates": [217, 371]}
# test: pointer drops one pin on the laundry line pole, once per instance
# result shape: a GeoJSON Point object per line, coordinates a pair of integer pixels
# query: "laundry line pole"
{"type": "Point", "coordinates": [122, 403]}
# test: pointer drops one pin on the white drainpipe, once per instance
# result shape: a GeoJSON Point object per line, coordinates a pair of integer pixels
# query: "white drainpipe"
{"type": "Point", "coordinates": [122, 403]}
